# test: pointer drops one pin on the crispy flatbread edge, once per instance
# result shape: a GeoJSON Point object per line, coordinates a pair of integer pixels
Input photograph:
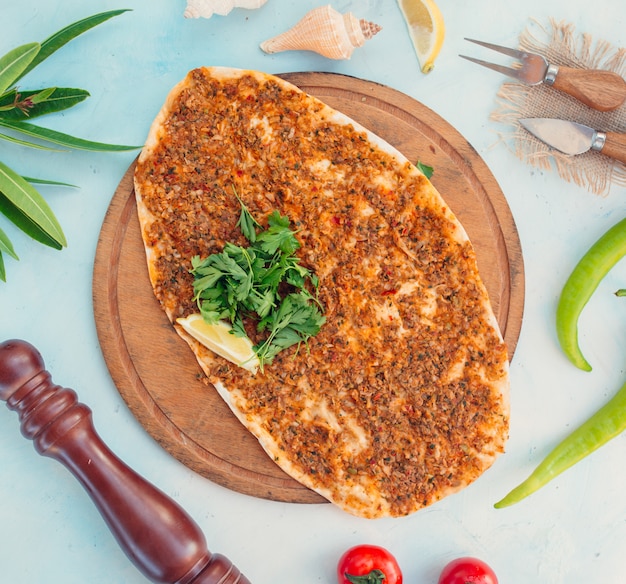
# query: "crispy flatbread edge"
{"type": "Point", "coordinates": [501, 386]}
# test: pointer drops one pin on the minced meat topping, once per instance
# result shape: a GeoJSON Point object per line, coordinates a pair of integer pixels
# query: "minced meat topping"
{"type": "Point", "coordinates": [400, 399]}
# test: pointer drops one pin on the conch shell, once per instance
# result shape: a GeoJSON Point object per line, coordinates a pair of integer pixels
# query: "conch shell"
{"type": "Point", "coordinates": [207, 8]}
{"type": "Point", "coordinates": [324, 31]}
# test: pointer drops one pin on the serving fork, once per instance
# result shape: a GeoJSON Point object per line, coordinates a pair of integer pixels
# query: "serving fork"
{"type": "Point", "coordinates": [599, 89]}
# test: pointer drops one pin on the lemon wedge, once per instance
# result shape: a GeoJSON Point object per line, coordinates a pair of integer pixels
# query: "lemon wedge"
{"type": "Point", "coordinates": [219, 339]}
{"type": "Point", "coordinates": [426, 29]}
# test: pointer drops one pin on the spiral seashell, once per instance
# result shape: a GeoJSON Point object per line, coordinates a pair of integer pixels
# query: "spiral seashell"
{"type": "Point", "coordinates": [207, 8]}
{"type": "Point", "coordinates": [324, 31]}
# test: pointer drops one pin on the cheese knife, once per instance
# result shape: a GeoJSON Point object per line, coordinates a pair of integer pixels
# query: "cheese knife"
{"type": "Point", "coordinates": [573, 138]}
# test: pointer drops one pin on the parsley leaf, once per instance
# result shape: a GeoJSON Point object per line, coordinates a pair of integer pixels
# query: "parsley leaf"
{"type": "Point", "coordinates": [263, 282]}
{"type": "Point", "coordinates": [247, 223]}
{"type": "Point", "coordinates": [294, 322]}
{"type": "Point", "coordinates": [278, 236]}
{"type": "Point", "coordinates": [427, 171]}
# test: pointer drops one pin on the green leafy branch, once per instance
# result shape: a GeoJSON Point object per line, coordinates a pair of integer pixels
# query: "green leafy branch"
{"type": "Point", "coordinates": [20, 202]}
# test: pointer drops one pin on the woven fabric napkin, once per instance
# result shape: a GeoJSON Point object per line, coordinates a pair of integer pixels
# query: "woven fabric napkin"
{"type": "Point", "coordinates": [560, 44]}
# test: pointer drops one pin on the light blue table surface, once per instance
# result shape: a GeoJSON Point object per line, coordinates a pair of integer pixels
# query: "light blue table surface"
{"type": "Point", "coordinates": [573, 531]}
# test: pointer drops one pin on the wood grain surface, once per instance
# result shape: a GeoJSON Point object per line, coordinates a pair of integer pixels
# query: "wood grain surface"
{"type": "Point", "coordinates": [156, 373]}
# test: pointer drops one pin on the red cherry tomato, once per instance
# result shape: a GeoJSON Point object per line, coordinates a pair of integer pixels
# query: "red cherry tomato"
{"type": "Point", "coordinates": [467, 571]}
{"type": "Point", "coordinates": [368, 564]}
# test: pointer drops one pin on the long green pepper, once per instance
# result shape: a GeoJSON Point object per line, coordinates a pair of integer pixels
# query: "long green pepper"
{"type": "Point", "coordinates": [581, 285]}
{"type": "Point", "coordinates": [604, 425]}
{"type": "Point", "coordinates": [610, 420]}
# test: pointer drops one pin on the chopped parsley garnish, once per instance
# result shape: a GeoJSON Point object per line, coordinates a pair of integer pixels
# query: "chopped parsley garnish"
{"type": "Point", "coordinates": [264, 282]}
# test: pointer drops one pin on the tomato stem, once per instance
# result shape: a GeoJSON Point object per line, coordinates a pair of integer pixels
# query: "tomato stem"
{"type": "Point", "coordinates": [374, 577]}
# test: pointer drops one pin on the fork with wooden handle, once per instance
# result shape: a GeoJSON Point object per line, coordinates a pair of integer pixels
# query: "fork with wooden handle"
{"type": "Point", "coordinates": [599, 89]}
{"type": "Point", "coordinates": [157, 535]}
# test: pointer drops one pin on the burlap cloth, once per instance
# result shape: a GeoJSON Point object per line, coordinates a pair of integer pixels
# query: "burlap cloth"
{"type": "Point", "coordinates": [560, 44]}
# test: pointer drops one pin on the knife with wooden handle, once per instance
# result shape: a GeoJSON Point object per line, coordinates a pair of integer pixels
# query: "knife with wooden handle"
{"type": "Point", "coordinates": [156, 534]}
{"type": "Point", "coordinates": [573, 138]}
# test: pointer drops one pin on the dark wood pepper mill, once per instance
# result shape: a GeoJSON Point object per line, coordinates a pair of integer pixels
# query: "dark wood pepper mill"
{"type": "Point", "coordinates": [158, 536]}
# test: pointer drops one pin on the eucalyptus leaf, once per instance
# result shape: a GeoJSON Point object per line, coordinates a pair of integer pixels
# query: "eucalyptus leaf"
{"type": "Point", "coordinates": [6, 245]}
{"type": "Point", "coordinates": [15, 62]}
{"type": "Point", "coordinates": [66, 34]}
{"type": "Point", "coordinates": [3, 274]}
{"type": "Point", "coordinates": [15, 140]}
{"type": "Point", "coordinates": [61, 138]}
{"type": "Point", "coordinates": [26, 198]}
{"type": "Point", "coordinates": [13, 214]}
{"type": "Point", "coordinates": [60, 99]}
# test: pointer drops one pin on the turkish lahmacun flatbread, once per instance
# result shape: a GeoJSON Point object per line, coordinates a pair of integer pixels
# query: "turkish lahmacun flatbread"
{"type": "Point", "coordinates": [402, 398]}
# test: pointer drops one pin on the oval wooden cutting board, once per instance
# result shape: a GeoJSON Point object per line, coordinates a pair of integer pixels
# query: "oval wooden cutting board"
{"type": "Point", "coordinates": [156, 373]}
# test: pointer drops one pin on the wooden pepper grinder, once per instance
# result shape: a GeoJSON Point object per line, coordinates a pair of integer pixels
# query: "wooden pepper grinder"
{"type": "Point", "coordinates": [155, 533]}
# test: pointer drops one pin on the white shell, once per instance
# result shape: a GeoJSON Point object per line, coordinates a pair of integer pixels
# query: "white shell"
{"type": "Point", "coordinates": [324, 31]}
{"type": "Point", "coordinates": [207, 8]}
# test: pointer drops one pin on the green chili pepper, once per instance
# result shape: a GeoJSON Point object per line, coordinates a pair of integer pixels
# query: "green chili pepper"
{"type": "Point", "coordinates": [605, 424]}
{"type": "Point", "coordinates": [580, 286]}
